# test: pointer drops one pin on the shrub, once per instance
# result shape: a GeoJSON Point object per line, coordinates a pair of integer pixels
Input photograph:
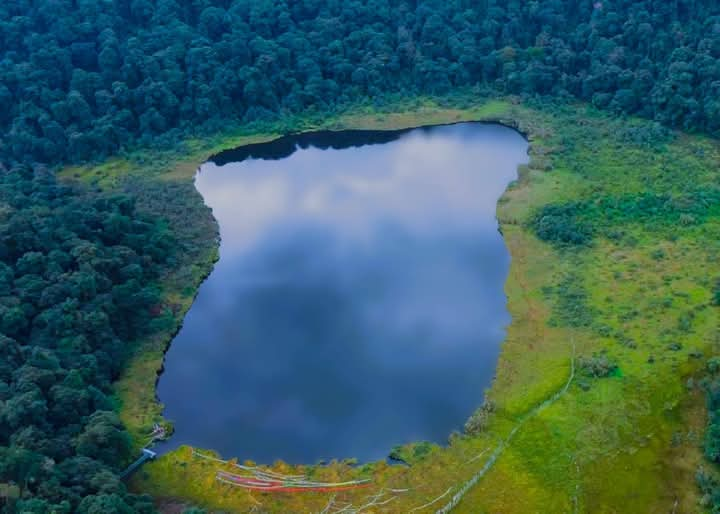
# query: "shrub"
{"type": "Point", "coordinates": [713, 365]}
{"type": "Point", "coordinates": [597, 366]}
{"type": "Point", "coordinates": [478, 422]}
{"type": "Point", "coordinates": [561, 224]}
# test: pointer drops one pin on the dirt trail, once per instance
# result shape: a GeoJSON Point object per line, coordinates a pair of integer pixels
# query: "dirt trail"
{"type": "Point", "coordinates": [457, 497]}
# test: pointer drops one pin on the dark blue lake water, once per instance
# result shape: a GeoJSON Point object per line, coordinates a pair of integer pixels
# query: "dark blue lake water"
{"type": "Point", "coordinates": [358, 301]}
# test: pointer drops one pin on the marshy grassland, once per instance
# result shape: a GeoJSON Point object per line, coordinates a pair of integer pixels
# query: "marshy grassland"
{"type": "Point", "coordinates": [614, 233]}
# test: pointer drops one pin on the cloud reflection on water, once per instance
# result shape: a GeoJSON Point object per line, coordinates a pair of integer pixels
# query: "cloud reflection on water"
{"type": "Point", "coordinates": [358, 301]}
{"type": "Point", "coordinates": [414, 184]}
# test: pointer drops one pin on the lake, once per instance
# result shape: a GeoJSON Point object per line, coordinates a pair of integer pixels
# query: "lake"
{"type": "Point", "coordinates": [358, 302]}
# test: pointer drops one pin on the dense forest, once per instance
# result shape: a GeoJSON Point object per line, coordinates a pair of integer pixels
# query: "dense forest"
{"type": "Point", "coordinates": [76, 275]}
{"type": "Point", "coordinates": [85, 79]}
{"type": "Point", "coordinates": [81, 79]}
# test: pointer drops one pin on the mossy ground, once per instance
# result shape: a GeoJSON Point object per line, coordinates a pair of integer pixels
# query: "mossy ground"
{"type": "Point", "coordinates": [625, 443]}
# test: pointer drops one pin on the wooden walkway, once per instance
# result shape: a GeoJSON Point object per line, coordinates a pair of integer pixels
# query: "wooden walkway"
{"type": "Point", "coordinates": [146, 455]}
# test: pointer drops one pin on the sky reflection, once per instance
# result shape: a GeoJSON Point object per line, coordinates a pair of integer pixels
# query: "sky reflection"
{"type": "Point", "coordinates": [358, 302]}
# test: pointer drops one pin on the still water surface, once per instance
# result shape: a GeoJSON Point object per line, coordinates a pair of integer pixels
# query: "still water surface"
{"type": "Point", "coordinates": [358, 301]}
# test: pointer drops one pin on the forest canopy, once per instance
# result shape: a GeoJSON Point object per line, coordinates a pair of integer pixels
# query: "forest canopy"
{"type": "Point", "coordinates": [77, 270]}
{"type": "Point", "coordinates": [82, 79]}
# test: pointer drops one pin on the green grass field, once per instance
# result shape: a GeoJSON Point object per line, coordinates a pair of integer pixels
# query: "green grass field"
{"type": "Point", "coordinates": [638, 294]}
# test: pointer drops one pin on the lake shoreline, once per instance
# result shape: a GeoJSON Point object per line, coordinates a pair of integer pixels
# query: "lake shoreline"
{"type": "Point", "coordinates": [437, 118]}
